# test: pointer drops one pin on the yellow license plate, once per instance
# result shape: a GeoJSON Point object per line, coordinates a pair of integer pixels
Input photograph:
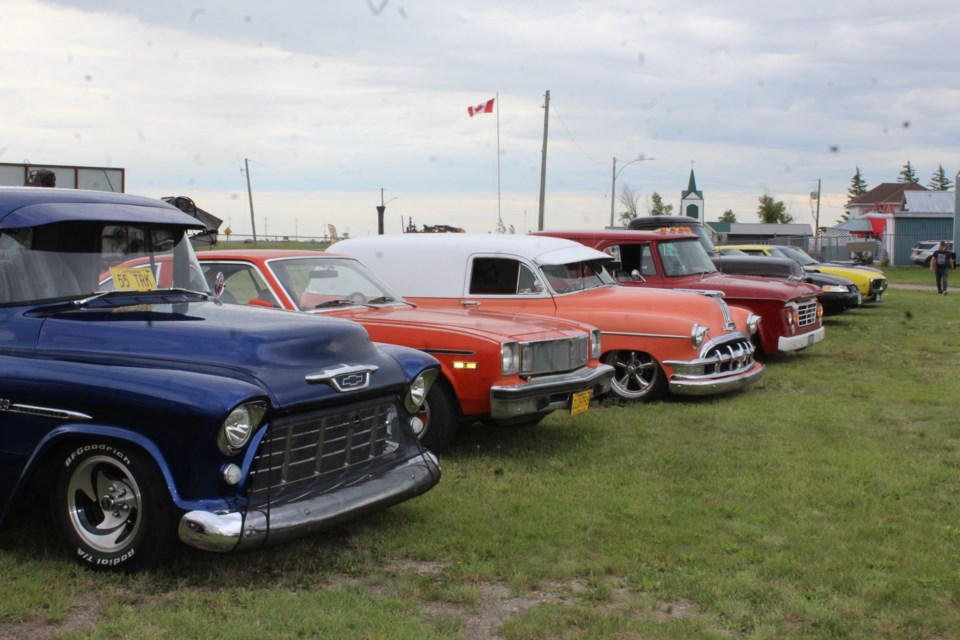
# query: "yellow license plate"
{"type": "Point", "coordinates": [133, 279]}
{"type": "Point", "coordinates": [580, 402]}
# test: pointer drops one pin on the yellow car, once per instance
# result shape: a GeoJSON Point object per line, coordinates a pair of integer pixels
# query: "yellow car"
{"type": "Point", "coordinates": [870, 281]}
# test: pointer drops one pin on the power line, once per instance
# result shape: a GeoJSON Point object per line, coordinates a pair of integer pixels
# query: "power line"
{"type": "Point", "coordinates": [569, 135]}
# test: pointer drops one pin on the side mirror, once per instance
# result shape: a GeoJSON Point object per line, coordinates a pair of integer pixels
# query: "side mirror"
{"type": "Point", "coordinates": [635, 274]}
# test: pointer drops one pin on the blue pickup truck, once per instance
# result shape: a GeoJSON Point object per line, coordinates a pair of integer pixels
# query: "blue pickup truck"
{"type": "Point", "coordinates": [152, 414]}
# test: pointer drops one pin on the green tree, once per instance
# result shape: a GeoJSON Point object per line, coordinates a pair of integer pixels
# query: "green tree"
{"type": "Point", "coordinates": [940, 181]}
{"type": "Point", "coordinates": [858, 186]}
{"type": "Point", "coordinates": [907, 174]}
{"type": "Point", "coordinates": [727, 216]}
{"type": "Point", "coordinates": [657, 208]}
{"type": "Point", "coordinates": [773, 212]}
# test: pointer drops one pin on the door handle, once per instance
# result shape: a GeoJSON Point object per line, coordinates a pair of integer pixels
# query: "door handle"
{"type": "Point", "coordinates": [469, 303]}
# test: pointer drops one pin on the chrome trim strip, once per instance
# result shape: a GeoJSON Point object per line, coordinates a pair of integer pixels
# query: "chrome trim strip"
{"type": "Point", "coordinates": [728, 322]}
{"type": "Point", "coordinates": [450, 352]}
{"type": "Point", "coordinates": [43, 412]}
{"type": "Point", "coordinates": [642, 335]}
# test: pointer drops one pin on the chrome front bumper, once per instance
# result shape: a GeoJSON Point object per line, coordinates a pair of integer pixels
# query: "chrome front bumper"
{"type": "Point", "coordinates": [234, 531]}
{"type": "Point", "coordinates": [709, 385]}
{"type": "Point", "coordinates": [548, 393]}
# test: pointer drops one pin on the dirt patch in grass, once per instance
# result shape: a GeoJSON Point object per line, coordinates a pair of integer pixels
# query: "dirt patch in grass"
{"type": "Point", "coordinates": [84, 615]}
{"type": "Point", "coordinates": [496, 602]}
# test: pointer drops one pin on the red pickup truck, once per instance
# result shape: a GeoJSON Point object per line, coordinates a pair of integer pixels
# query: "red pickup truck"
{"type": "Point", "coordinates": [673, 258]}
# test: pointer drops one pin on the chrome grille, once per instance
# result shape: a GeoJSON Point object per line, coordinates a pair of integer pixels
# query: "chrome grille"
{"type": "Point", "coordinates": [807, 312]}
{"type": "Point", "coordinates": [554, 356]}
{"type": "Point", "coordinates": [300, 450]}
{"type": "Point", "coordinates": [729, 357]}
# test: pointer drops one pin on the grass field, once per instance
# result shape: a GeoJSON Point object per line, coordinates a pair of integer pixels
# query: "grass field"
{"type": "Point", "coordinates": [823, 502]}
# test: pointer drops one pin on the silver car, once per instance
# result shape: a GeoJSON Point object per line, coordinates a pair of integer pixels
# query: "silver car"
{"type": "Point", "coordinates": [923, 251]}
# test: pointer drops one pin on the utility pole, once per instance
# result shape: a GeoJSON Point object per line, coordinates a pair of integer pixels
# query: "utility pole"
{"type": "Point", "coordinates": [253, 222]}
{"type": "Point", "coordinates": [816, 223]}
{"type": "Point", "coordinates": [543, 160]}
{"type": "Point", "coordinates": [613, 189]}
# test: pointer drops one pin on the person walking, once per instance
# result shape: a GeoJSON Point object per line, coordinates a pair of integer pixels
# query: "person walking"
{"type": "Point", "coordinates": [940, 262]}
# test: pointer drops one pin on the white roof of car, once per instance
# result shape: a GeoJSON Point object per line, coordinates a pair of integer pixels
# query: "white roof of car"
{"type": "Point", "coordinates": [439, 260]}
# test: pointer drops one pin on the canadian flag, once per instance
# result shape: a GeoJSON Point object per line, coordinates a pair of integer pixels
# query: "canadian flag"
{"type": "Point", "coordinates": [483, 107]}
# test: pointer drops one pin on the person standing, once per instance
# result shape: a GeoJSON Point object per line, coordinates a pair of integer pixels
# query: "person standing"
{"type": "Point", "coordinates": [940, 262]}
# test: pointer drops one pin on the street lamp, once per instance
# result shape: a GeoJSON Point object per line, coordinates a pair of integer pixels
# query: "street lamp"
{"type": "Point", "coordinates": [613, 182]}
{"type": "Point", "coordinates": [380, 209]}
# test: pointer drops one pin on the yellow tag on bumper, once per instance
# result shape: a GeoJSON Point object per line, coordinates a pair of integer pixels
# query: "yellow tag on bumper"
{"type": "Point", "coordinates": [580, 402]}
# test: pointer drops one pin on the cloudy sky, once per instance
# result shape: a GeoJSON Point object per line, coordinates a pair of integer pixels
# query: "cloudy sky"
{"type": "Point", "coordinates": [333, 100]}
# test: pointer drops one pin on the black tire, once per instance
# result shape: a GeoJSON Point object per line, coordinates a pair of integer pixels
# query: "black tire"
{"type": "Point", "coordinates": [637, 377]}
{"type": "Point", "coordinates": [440, 416]}
{"type": "Point", "coordinates": [112, 507]}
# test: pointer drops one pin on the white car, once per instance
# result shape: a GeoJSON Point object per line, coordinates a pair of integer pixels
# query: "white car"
{"type": "Point", "coordinates": [657, 340]}
{"type": "Point", "coordinates": [923, 251]}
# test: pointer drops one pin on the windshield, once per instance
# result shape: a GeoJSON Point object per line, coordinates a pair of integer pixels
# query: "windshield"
{"type": "Point", "coordinates": [317, 282]}
{"type": "Point", "coordinates": [684, 258]}
{"type": "Point", "coordinates": [799, 255]}
{"type": "Point", "coordinates": [706, 235]}
{"type": "Point", "coordinates": [577, 276]}
{"type": "Point", "coordinates": [71, 260]}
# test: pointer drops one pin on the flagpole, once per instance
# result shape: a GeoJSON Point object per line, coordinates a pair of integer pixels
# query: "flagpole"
{"type": "Point", "coordinates": [499, 218]}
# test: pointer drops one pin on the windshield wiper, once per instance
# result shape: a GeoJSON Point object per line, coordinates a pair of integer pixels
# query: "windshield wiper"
{"type": "Point", "coordinates": [135, 297]}
{"type": "Point", "coordinates": [335, 303]}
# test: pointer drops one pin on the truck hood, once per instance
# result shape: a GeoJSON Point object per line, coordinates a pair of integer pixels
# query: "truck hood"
{"type": "Point", "coordinates": [739, 287]}
{"type": "Point", "coordinates": [272, 349]}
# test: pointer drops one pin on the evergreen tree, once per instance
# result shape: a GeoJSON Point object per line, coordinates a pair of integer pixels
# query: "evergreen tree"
{"type": "Point", "coordinates": [858, 186]}
{"type": "Point", "coordinates": [501, 228]}
{"type": "Point", "coordinates": [772, 212]}
{"type": "Point", "coordinates": [907, 174]}
{"type": "Point", "coordinates": [657, 208]}
{"type": "Point", "coordinates": [940, 181]}
{"type": "Point", "coordinates": [727, 216]}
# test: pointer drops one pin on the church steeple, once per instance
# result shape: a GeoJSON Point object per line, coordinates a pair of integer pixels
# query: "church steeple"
{"type": "Point", "coordinates": [691, 200]}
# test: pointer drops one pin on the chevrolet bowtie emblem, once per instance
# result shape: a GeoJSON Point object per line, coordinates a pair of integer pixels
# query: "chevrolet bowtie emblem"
{"type": "Point", "coordinates": [344, 377]}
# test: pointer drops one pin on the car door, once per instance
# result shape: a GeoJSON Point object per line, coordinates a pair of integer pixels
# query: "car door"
{"type": "Point", "coordinates": [506, 283]}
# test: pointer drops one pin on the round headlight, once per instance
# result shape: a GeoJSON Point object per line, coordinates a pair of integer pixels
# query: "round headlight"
{"type": "Point", "coordinates": [698, 334]}
{"type": "Point", "coordinates": [238, 427]}
{"type": "Point", "coordinates": [418, 390]}
{"type": "Point", "coordinates": [753, 323]}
